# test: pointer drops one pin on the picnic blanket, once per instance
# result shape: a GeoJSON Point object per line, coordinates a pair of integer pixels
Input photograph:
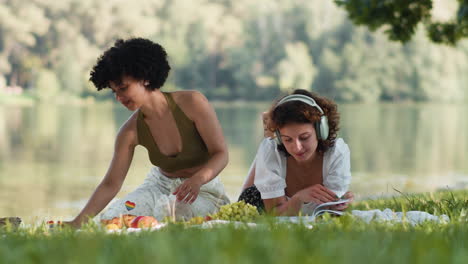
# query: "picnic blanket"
{"type": "Point", "coordinates": [386, 215]}
{"type": "Point", "coordinates": [412, 217]}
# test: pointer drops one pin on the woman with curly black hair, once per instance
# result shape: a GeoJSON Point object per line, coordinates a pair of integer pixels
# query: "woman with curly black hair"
{"type": "Point", "coordinates": [303, 163]}
{"type": "Point", "coordinates": [180, 130]}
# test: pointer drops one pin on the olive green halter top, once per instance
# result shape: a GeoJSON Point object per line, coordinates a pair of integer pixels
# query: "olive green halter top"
{"type": "Point", "coordinates": [194, 151]}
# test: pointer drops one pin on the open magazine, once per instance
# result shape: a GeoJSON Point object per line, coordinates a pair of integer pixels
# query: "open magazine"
{"type": "Point", "coordinates": [316, 210]}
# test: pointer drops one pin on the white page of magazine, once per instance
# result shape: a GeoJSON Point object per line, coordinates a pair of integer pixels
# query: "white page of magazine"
{"type": "Point", "coordinates": [319, 210]}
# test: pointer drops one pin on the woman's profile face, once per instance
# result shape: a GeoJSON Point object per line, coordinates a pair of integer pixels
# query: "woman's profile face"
{"type": "Point", "coordinates": [300, 140]}
{"type": "Point", "coordinates": [130, 93]}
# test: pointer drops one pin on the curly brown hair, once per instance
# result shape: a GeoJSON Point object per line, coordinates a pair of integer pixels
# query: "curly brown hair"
{"type": "Point", "coordinates": [299, 112]}
{"type": "Point", "coordinates": [139, 58]}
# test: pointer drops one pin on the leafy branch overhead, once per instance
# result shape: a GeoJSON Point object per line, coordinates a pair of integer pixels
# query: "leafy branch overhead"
{"type": "Point", "coordinates": [401, 18]}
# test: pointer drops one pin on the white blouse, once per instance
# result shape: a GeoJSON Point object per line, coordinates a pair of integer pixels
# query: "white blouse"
{"type": "Point", "coordinates": [270, 169]}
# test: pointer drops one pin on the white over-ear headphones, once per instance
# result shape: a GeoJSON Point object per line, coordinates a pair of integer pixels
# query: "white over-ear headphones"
{"type": "Point", "coordinates": [321, 127]}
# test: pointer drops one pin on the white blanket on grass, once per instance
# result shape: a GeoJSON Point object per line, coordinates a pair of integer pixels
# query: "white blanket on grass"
{"type": "Point", "coordinates": [412, 217]}
{"type": "Point", "coordinates": [387, 215]}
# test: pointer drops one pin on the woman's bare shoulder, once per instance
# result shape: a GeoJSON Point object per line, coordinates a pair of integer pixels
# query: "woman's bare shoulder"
{"type": "Point", "coordinates": [191, 102]}
{"type": "Point", "coordinates": [128, 131]}
{"type": "Point", "coordinates": [188, 97]}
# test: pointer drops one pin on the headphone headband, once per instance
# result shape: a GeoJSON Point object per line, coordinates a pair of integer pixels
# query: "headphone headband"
{"type": "Point", "coordinates": [302, 98]}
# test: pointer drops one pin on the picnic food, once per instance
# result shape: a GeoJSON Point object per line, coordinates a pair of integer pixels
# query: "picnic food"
{"type": "Point", "coordinates": [143, 222]}
{"type": "Point", "coordinates": [112, 227]}
{"type": "Point", "coordinates": [128, 221]}
{"type": "Point", "coordinates": [197, 220]}
{"type": "Point", "coordinates": [114, 221]}
{"type": "Point", "coordinates": [238, 211]}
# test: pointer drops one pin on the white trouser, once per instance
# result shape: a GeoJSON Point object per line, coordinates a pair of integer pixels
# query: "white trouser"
{"type": "Point", "coordinates": [154, 198]}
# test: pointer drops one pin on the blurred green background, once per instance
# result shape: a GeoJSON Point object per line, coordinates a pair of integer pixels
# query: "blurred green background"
{"type": "Point", "coordinates": [236, 50]}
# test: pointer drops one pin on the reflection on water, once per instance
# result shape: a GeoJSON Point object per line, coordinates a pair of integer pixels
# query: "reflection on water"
{"type": "Point", "coordinates": [52, 157]}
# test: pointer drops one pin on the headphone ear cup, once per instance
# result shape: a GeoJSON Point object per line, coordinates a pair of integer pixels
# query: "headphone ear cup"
{"type": "Point", "coordinates": [278, 138]}
{"type": "Point", "coordinates": [317, 130]}
{"type": "Point", "coordinates": [324, 129]}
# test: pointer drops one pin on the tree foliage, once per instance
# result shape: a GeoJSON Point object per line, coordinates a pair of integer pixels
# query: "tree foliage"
{"type": "Point", "coordinates": [230, 50]}
{"type": "Point", "coordinates": [403, 16]}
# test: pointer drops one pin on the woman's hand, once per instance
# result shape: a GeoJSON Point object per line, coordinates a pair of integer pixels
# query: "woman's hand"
{"type": "Point", "coordinates": [73, 224]}
{"type": "Point", "coordinates": [316, 194]}
{"type": "Point", "coordinates": [343, 206]}
{"type": "Point", "coordinates": [188, 191]}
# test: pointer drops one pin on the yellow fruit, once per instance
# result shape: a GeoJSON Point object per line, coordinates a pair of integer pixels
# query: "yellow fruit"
{"type": "Point", "coordinates": [112, 227]}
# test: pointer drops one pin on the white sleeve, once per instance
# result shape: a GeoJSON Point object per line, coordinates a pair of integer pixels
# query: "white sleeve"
{"type": "Point", "coordinates": [337, 175]}
{"type": "Point", "coordinates": [269, 178]}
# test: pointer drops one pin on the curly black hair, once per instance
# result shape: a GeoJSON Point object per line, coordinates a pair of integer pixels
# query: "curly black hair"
{"type": "Point", "coordinates": [138, 58]}
{"type": "Point", "coordinates": [299, 112]}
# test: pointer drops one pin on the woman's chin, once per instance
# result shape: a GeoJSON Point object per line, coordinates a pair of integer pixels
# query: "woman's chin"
{"type": "Point", "coordinates": [301, 158]}
{"type": "Point", "coordinates": [130, 106]}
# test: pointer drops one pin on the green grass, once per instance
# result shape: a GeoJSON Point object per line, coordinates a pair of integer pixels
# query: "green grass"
{"type": "Point", "coordinates": [331, 240]}
{"type": "Point", "coordinates": [452, 203]}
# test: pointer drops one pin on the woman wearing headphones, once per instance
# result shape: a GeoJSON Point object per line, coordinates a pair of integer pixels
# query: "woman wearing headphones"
{"type": "Point", "coordinates": [304, 164]}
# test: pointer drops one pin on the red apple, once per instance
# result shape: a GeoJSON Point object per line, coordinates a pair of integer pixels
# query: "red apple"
{"type": "Point", "coordinates": [127, 219]}
{"type": "Point", "coordinates": [135, 222]}
{"type": "Point", "coordinates": [144, 222]}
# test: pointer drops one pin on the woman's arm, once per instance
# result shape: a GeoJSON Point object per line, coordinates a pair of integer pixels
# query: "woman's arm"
{"type": "Point", "coordinates": [316, 193]}
{"type": "Point", "coordinates": [266, 134]}
{"type": "Point", "coordinates": [250, 178]}
{"type": "Point", "coordinates": [207, 124]}
{"type": "Point", "coordinates": [282, 206]}
{"type": "Point", "coordinates": [338, 168]}
{"type": "Point", "coordinates": [338, 176]}
{"type": "Point", "coordinates": [249, 181]}
{"type": "Point", "coordinates": [123, 154]}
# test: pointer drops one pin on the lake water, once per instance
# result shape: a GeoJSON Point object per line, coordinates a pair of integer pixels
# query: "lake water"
{"type": "Point", "coordinates": [52, 157]}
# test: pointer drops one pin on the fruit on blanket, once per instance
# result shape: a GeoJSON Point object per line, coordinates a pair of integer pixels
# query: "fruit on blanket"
{"type": "Point", "coordinates": [143, 222]}
{"type": "Point", "coordinates": [128, 219]}
{"type": "Point", "coordinates": [136, 222]}
{"type": "Point", "coordinates": [197, 220]}
{"type": "Point", "coordinates": [112, 227]}
{"type": "Point", "coordinates": [238, 211]}
{"type": "Point", "coordinates": [114, 221]}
